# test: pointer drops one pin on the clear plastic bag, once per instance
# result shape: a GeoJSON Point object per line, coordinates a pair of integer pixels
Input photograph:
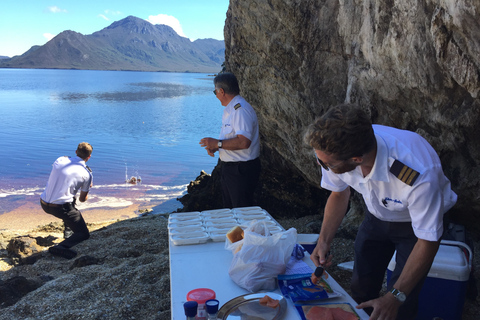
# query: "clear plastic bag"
{"type": "Point", "coordinates": [262, 256]}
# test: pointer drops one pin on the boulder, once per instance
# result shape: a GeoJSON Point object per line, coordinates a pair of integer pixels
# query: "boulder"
{"type": "Point", "coordinates": [410, 64]}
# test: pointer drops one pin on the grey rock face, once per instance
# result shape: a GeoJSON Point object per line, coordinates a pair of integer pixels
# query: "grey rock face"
{"type": "Point", "coordinates": [411, 64]}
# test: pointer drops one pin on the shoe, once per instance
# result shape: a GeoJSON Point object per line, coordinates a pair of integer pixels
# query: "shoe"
{"type": "Point", "coordinates": [62, 252]}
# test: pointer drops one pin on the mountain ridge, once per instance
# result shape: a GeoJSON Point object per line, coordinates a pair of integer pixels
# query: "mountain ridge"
{"type": "Point", "coordinates": [131, 44]}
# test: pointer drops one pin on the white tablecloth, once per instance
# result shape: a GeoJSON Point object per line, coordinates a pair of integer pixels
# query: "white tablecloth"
{"type": "Point", "coordinates": [206, 266]}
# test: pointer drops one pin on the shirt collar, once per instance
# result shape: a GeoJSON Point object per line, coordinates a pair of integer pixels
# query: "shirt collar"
{"type": "Point", "coordinates": [233, 102]}
{"type": "Point", "coordinates": [380, 167]}
{"type": "Point", "coordinates": [79, 160]}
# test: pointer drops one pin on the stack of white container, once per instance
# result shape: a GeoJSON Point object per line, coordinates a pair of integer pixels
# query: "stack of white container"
{"type": "Point", "coordinates": [212, 225]}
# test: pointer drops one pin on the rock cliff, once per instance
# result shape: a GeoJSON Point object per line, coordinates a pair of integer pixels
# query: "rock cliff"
{"type": "Point", "coordinates": [411, 64]}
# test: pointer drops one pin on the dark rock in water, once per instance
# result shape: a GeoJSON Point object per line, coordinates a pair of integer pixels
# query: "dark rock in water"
{"type": "Point", "coordinates": [14, 289]}
{"type": "Point", "coordinates": [134, 180]}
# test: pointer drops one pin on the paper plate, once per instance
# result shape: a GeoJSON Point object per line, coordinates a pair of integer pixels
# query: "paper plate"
{"type": "Point", "coordinates": [248, 307]}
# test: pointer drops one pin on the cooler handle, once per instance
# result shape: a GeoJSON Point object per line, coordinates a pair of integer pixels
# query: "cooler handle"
{"type": "Point", "coordinates": [463, 245]}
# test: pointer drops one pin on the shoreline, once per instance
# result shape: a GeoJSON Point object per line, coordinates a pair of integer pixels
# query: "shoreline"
{"type": "Point", "coordinates": [30, 216]}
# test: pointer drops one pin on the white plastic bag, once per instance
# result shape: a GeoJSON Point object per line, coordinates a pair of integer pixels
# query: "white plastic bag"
{"type": "Point", "coordinates": [262, 257]}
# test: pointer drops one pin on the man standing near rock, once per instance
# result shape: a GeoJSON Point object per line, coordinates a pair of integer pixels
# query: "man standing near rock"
{"type": "Point", "coordinates": [67, 177]}
{"type": "Point", "coordinates": [238, 144]}
{"type": "Point", "coordinates": [406, 193]}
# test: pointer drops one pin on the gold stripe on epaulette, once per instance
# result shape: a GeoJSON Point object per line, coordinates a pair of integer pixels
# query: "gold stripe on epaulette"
{"type": "Point", "coordinates": [404, 173]}
{"type": "Point", "coordinates": [238, 105]}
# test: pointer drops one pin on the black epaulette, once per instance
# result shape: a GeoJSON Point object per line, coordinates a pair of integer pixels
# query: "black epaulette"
{"type": "Point", "coordinates": [88, 168]}
{"type": "Point", "coordinates": [404, 173]}
{"type": "Point", "coordinates": [238, 105]}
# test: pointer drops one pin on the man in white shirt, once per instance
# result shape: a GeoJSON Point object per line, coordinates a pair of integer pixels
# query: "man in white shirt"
{"type": "Point", "coordinates": [238, 144]}
{"type": "Point", "coordinates": [69, 175]}
{"type": "Point", "coordinates": [406, 193]}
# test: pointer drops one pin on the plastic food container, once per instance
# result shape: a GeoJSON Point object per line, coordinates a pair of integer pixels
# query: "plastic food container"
{"type": "Point", "coordinates": [222, 216]}
{"type": "Point", "coordinates": [185, 230]}
{"type": "Point", "coordinates": [250, 213]}
{"type": "Point", "coordinates": [218, 236]}
{"type": "Point", "coordinates": [220, 222]}
{"type": "Point", "coordinates": [254, 217]}
{"type": "Point", "coordinates": [186, 214]}
{"type": "Point", "coordinates": [184, 224]}
{"type": "Point", "coordinates": [185, 219]}
{"type": "Point", "coordinates": [201, 296]}
{"type": "Point", "coordinates": [246, 209]}
{"type": "Point", "coordinates": [275, 229]}
{"type": "Point", "coordinates": [215, 212]}
{"type": "Point", "coordinates": [221, 228]}
{"type": "Point", "coordinates": [189, 238]}
{"type": "Point", "coordinates": [248, 222]}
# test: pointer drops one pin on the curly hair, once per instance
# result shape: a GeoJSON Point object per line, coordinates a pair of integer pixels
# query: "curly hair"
{"type": "Point", "coordinates": [344, 131]}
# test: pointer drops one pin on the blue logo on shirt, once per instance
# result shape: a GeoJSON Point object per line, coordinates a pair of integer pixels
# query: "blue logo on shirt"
{"type": "Point", "coordinates": [387, 199]}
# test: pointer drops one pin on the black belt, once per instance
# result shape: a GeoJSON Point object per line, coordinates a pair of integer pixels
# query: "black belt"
{"type": "Point", "coordinates": [51, 204]}
{"type": "Point", "coordinates": [227, 163]}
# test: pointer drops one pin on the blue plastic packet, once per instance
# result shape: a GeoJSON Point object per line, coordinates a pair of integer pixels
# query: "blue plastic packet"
{"type": "Point", "coordinates": [299, 287]}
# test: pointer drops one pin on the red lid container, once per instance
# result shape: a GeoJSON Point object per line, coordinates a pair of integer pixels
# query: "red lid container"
{"type": "Point", "coordinates": [201, 295]}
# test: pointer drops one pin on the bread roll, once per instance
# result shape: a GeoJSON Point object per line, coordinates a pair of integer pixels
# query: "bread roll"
{"type": "Point", "coordinates": [235, 234]}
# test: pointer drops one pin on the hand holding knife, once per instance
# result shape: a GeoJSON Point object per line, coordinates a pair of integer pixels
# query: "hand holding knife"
{"type": "Point", "coordinates": [319, 271]}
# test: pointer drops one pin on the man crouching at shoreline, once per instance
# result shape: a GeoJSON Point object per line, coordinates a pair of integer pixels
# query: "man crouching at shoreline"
{"type": "Point", "coordinates": [67, 177]}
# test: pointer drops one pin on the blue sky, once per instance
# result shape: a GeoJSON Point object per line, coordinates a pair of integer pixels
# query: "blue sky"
{"type": "Point", "coordinates": [34, 22]}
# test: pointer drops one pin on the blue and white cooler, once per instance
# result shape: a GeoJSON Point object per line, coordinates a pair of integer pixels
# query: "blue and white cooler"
{"type": "Point", "coordinates": [443, 293]}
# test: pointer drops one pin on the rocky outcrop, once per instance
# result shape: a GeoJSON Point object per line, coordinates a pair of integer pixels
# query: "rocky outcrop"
{"type": "Point", "coordinates": [410, 64]}
{"type": "Point", "coordinates": [121, 272]}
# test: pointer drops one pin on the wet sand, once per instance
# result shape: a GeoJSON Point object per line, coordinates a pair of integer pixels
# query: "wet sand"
{"type": "Point", "coordinates": [29, 216]}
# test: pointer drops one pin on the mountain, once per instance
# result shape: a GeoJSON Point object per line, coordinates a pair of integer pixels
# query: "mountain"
{"type": "Point", "coordinates": [128, 44]}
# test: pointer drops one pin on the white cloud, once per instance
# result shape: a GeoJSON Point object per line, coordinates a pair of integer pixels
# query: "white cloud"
{"type": "Point", "coordinates": [49, 36]}
{"type": "Point", "coordinates": [108, 13]}
{"type": "Point", "coordinates": [169, 21]}
{"type": "Point", "coordinates": [103, 17]}
{"type": "Point", "coordinates": [55, 9]}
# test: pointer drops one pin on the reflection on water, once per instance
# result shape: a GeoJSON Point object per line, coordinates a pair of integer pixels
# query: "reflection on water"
{"type": "Point", "coordinates": [151, 121]}
{"type": "Point", "coordinates": [157, 90]}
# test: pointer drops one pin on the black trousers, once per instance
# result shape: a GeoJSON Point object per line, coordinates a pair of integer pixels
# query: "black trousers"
{"type": "Point", "coordinates": [374, 247]}
{"type": "Point", "coordinates": [239, 181]}
{"type": "Point", "coordinates": [72, 218]}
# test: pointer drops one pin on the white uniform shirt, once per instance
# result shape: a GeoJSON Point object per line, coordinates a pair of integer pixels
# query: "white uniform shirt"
{"type": "Point", "coordinates": [67, 177]}
{"type": "Point", "coordinates": [239, 118]}
{"type": "Point", "coordinates": [389, 198]}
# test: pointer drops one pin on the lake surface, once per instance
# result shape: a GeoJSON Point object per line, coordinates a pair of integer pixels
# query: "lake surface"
{"type": "Point", "coordinates": [142, 124]}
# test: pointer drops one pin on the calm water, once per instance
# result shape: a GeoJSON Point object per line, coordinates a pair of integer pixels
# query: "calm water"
{"type": "Point", "coordinates": [141, 124]}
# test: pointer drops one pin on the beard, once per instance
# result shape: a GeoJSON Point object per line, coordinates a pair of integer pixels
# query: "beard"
{"type": "Point", "coordinates": [347, 166]}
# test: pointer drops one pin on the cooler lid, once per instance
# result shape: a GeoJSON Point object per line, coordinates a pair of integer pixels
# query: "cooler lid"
{"type": "Point", "coordinates": [450, 263]}
{"type": "Point", "coordinates": [307, 238]}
